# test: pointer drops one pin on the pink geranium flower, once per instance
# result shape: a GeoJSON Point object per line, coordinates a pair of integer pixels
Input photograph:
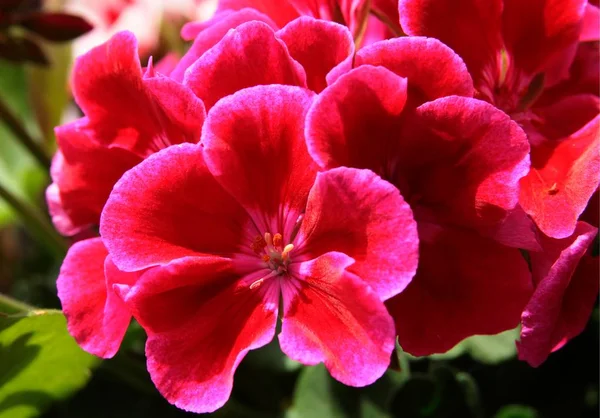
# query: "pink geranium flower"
{"type": "Point", "coordinates": [527, 59]}
{"type": "Point", "coordinates": [222, 232]}
{"type": "Point", "coordinates": [406, 113]}
{"type": "Point", "coordinates": [129, 114]}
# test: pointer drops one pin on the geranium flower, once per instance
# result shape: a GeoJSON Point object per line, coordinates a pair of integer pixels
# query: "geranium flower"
{"type": "Point", "coordinates": [229, 228]}
{"type": "Point", "coordinates": [526, 59]}
{"type": "Point", "coordinates": [457, 161]}
{"type": "Point", "coordinates": [566, 289]}
{"type": "Point", "coordinates": [129, 114]}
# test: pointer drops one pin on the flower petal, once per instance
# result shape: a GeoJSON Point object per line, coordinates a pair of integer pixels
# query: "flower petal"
{"type": "Point", "coordinates": [254, 145]}
{"type": "Point", "coordinates": [359, 214]}
{"type": "Point", "coordinates": [472, 28]}
{"type": "Point", "coordinates": [563, 177]}
{"type": "Point", "coordinates": [96, 316]}
{"type": "Point", "coordinates": [169, 207]}
{"type": "Point", "coordinates": [84, 172]}
{"type": "Point", "coordinates": [562, 301]}
{"type": "Point", "coordinates": [465, 285]}
{"type": "Point", "coordinates": [200, 324]}
{"type": "Point", "coordinates": [433, 70]}
{"type": "Point", "coordinates": [211, 32]}
{"type": "Point", "coordinates": [318, 46]}
{"type": "Point", "coordinates": [337, 319]}
{"type": "Point", "coordinates": [356, 121]}
{"type": "Point", "coordinates": [124, 109]}
{"type": "Point", "coordinates": [247, 56]}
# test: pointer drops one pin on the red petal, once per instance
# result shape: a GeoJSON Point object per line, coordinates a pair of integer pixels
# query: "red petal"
{"type": "Point", "coordinates": [191, 30]}
{"type": "Point", "coordinates": [247, 56]}
{"type": "Point", "coordinates": [213, 33]}
{"type": "Point", "coordinates": [539, 34]}
{"type": "Point", "coordinates": [200, 324]}
{"type": "Point", "coordinates": [465, 285]}
{"type": "Point", "coordinates": [378, 229]}
{"type": "Point", "coordinates": [465, 164]}
{"type": "Point", "coordinates": [433, 70]}
{"type": "Point", "coordinates": [337, 319]}
{"type": "Point", "coordinates": [169, 207]}
{"type": "Point", "coordinates": [281, 12]}
{"type": "Point", "coordinates": [562, 302]}
{"type": "Point", "coordinates": [142, 115]}
{"type": "Point", "coordinates": [96, 316]}
{"type": "Point", "coordinates": [319, 46]}
{"type": "Point", "coordinates": [563, 177]}
{"type": "Point", "coordinates": [472, 28]}
{"type": "Point", "coordinates": [355, 122]}
{"type": "Point", "coordinates": [84, 172]}
{"type": "Point", "coordinates": [591, 24]}
{"type": "Point", "coordinates": [254, 145]}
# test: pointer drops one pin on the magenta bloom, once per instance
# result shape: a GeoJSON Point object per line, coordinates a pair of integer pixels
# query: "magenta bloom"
{"type": "Point", "coordinates": [528, 61]}
{"type": "Point", "coordinates": [228, 229]}
{"type": "Point", "coordinates": [457, 161]}
{"type": "Point", "coordinates": [129, 114]}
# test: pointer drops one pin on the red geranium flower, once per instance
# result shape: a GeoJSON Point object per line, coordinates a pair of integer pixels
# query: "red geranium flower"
{"type": "Point", "coordinates": [526, 59]}
{"type": "Point", "coordinates": [227, 227]}
{"type": "Point", "coordinates": [129, 115]}
{"type": "Point", "coordinates": [457, 161]}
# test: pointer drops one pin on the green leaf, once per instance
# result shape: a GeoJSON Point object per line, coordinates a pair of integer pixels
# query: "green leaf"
{"type": "Point", "coordinates": [516, 411]}
{"type": "Point", "coordinates": [39, 363]}
{"type": "Point", "coordinates": [487, 349]}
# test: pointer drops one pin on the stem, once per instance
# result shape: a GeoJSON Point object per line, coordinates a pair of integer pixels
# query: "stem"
{"type": "Point", "coordinates": [36, 221]}
{"type": "Point", "coordinates": [22, 135]}
{"type": "Point", "coordinates": [9, 305]}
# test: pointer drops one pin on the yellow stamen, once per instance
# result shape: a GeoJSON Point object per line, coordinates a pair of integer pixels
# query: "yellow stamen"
{"type": "Point", "coordinates": [285, 255]}
{"type": "Point", "coordinates": [277, 240]}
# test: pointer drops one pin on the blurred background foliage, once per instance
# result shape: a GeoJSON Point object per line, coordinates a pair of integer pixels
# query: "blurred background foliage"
{"type": "Point", "coordinates": [44, 373]}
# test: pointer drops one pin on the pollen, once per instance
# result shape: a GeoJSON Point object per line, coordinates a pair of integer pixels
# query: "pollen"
{"type": "Point", "coordinates": [274, 253]}
{"type": "Point", "coordinates": [277, 240]}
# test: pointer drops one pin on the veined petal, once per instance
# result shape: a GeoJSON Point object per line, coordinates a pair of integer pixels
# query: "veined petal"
{"type": "Point", "coordinates": [254, 146]}
{"type": "Point", "coordinates": [337, 319]}
{"type": "Point", "coordinates": [563, 300]}
{"type": "Point", "coordinates": [359, 214]}
{"type": "Point", "coordinates": [247, 56]}
{"type": "Point", "coordinates": [465, 285]}
{"type": "Point", "coordinates": [318, 46]}
{"type": "Point", "coordinates": [169, 207]}
{"type": "Point", "coordinates": [201, 323]}
{"type": "Point", "coordinates": [96, 316]}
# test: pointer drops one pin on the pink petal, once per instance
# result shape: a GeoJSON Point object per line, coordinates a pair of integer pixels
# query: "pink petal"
{"type": "Point", "coordinates": [433, 70]}
{"type": "Point", "coordinates": [563, 177]}
{"type": "Point", "coordinates": [356, 121]}
{"type": "Point", "coordinates": [591, 24]}
{"type": "Point", "coordinates": [96, 316]}
{"type": "Point", "coordinates": [83, 172]}
{"type": "Point", "coordinates": [376, 229]}
{"type": "Point", "coordinates": [124, 109]}
{"type": "Point", "coordinates": [465, 285]}
{"type": "Point", "coordinates": [200, 324]}
{"type": "Point", "coordinates": [281, 12]}
{"type": "Point", "coordinates": [337, 319]}
{"type": "Point", "coordinates": [562, 302]}
{"type": "Point", "coordinates": [247, 56]}
{"type": "Point", "coordinates": [318, 46]}
{"type": "Point", "coordinates": [191, 30]}
{"type": "Point", "coordinates": [472, 28]}
{"type": "Point", "coordinates": [211, 32]}
{"type": "Point", "coordinates": [254, 145]}
{"type": "Point", "coordinates": [169, 207]}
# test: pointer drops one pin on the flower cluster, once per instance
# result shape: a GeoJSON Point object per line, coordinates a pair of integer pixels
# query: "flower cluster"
{"type": "Point", "coordinates": [360, 171]}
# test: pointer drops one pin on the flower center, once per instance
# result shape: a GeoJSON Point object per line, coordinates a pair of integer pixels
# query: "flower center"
{"type": "Point", "coordinates": [275, 255]}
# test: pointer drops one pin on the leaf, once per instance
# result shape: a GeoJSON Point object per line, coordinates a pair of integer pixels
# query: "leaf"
{"type": "Point", "coordinates": [39, 363]}
{"type": "Point", "coordinates": [487, 349]}
{"type": "Point", "coordinates": [516, 411]}
{"type": "Point", "coordinates": [318, 395]}
{"type": "Point", "coordinates": [55, 26]}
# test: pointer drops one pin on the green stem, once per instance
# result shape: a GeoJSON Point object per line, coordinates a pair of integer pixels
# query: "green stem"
{"type": "Point", "coordinates": [9, 305]}
{"type": "Point", "coordinates": [23, 136]}
{"type": "Point", "coordinates": [36, 222]}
